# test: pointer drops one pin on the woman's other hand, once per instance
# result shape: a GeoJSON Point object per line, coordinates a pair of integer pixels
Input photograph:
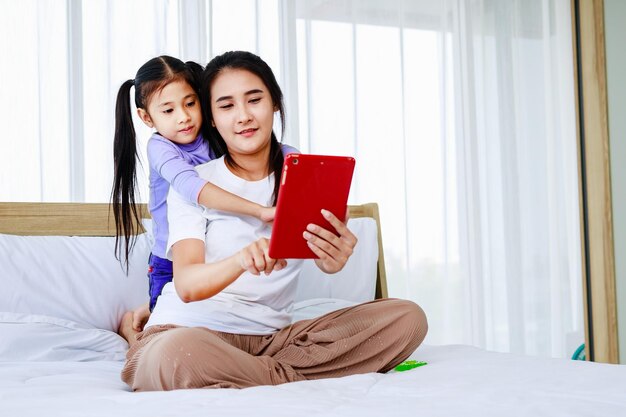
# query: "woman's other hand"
{"type": "Point", "coordinates": [255, 258]}
{"type": "Point", "coordinates": [333, 251]}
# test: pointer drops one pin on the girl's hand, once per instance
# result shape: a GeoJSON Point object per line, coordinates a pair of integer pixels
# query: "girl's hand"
{"type": "Point", "coordinates": [266, 214]}
{"type": "Point", "coordinates": [255, 258]}
{"type": "Point", "coordinates": [333, 251]}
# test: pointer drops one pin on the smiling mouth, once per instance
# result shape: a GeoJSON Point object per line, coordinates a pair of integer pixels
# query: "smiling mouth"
{"type": "Point", "coordinates": [246, 131]}
{"type": "Point", "coordinates": [189, 129]}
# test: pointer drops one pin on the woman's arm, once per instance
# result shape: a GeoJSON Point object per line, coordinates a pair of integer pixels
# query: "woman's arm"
{"type": "Point", "coordinates": [193, 279]}
{"type": "Point", "coordinates": [196, 280]}
{"type": "Point", "coordinates": [333, 251]}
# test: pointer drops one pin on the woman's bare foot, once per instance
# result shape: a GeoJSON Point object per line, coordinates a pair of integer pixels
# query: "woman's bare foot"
{"type": "Point", "coordinates": [126, 329]}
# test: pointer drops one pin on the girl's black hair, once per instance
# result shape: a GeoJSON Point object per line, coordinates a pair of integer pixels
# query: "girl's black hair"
{"type": "Point", "coordinates": [250, 62]}
{"type": "Point", "coordinates": [151, 78]}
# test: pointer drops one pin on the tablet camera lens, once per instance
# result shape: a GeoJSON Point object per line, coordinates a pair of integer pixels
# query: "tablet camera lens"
{"type": "Point", "coordinates": [295, 161]}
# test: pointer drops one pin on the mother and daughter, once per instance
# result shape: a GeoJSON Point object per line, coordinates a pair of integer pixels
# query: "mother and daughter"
{"type": "Point", "coordinates": [224, 321]}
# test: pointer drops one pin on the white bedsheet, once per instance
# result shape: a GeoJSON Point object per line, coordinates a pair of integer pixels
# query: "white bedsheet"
{"type": "Point", "coordinates": [458, 381]}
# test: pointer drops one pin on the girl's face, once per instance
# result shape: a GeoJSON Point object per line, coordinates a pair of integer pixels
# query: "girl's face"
{"type": "Point", "coordinates": [174, 112]}
{"type": "Point", "coordinates": [243, 112]}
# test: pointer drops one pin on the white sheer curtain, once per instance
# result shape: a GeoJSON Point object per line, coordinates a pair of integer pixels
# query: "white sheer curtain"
{"type": "Point", "coordinates": [33, 47]}
{"type": "Point", "coordinates": [460, 114]}
{"type": "Point", "coordinates": [517, 150]}
{"type": "Point", "coordinates": [461, 117]}
{"type": "Point", "coordinates": [65, 60]}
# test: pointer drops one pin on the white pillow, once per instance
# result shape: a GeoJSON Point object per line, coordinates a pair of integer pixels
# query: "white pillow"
{"type": "Point", "coordinates": [79, 279]}
{"type": "Point", "coordinates": [357, 280]}
{"type": "Point", "coordinates": [28, 337]}
{"type": "Point", "coordinates": [74, 278]}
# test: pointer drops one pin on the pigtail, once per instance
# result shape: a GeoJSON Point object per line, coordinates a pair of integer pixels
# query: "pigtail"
{"type": "Point", "coordinates": [125, 210]}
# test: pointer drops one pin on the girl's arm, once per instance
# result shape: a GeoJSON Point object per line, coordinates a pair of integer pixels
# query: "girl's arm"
{"type": "Point", "coordinates": [214, 197]}
{"type": "Point", "coordinates": [333, 251]}
{"type": "Point", "coordinates": [195, 280]}
{"type": "Point", "coordinates": [166, 159]}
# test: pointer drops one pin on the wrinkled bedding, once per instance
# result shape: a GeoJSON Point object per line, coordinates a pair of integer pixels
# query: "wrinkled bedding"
{"type": "Point", "coordinates": [458, 380]}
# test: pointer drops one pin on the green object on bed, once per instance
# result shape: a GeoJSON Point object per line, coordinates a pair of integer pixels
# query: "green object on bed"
{"type": "Point", "coordinates": [406, 365]}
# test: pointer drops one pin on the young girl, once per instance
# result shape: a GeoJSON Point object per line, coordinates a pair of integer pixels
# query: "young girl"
{"type": "Point", "coordinates": [166, 99]}
{"type": "Point", "coordinates": [225, 320]}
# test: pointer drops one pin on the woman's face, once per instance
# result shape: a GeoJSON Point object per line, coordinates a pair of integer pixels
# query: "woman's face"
{"type": "Point", "coordinates": [243, 112]}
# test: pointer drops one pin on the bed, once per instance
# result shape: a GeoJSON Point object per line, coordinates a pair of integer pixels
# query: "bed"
{"type": "Point", "coordinates": [64, 293]}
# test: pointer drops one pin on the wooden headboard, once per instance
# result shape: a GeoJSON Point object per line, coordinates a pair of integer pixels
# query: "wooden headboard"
{"type": "Point", "coordinates": [94, 219]}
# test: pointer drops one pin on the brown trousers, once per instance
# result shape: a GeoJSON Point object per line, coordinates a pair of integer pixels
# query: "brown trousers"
{"type": "Point", "coordinates": [370, 337]}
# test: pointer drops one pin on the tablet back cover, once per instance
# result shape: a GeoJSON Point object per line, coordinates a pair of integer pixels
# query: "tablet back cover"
{"type": "Point", "coordinates": [309, 183]}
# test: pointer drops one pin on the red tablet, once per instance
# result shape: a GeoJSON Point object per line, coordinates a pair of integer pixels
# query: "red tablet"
{"type": "Point", "coordinates": [308, 184]}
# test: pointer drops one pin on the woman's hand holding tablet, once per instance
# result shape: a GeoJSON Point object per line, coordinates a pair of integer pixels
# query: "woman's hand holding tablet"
{"type": "Point", "coordinates": [332, 251]}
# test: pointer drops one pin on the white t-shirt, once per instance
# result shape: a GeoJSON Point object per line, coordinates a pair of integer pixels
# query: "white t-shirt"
{"type": "Point", "coordinates": [255, 305]}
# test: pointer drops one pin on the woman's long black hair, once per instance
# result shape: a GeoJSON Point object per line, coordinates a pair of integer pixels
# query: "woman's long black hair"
{"type": "Point", "coordinates": [151, 78]}
{"type": "Point", "coordinates": [250, 62]}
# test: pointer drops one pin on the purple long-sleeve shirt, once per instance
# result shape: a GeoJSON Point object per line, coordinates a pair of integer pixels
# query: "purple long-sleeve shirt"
{"type": "Point", "coordinates": [173, 164]}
